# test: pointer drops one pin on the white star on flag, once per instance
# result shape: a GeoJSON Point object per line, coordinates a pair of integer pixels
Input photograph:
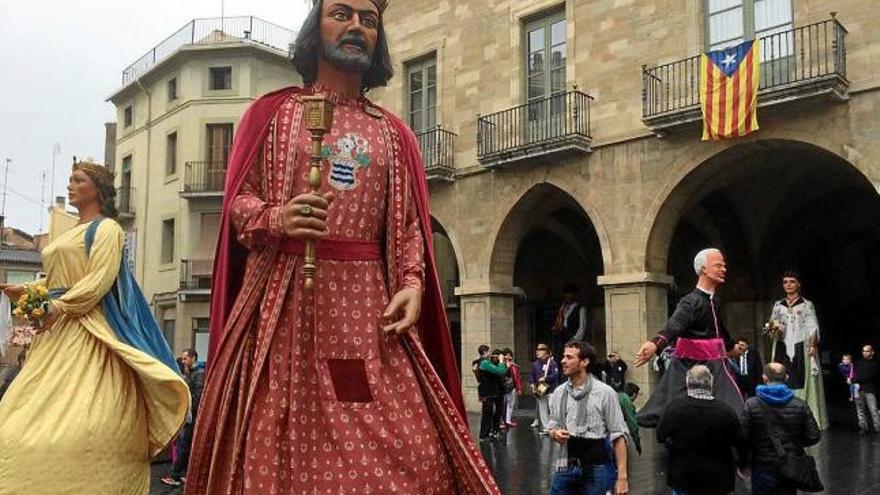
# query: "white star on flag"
{"type": "Point", "coordinates": [729, 59]}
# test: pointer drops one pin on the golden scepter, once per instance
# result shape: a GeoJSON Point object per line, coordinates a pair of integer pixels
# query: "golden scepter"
{"type": "Point", "coordinates": [319, 120]}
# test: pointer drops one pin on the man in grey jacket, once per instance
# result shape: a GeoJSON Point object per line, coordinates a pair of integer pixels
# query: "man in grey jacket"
{"type": "Point", "coordinates": [584, 415]}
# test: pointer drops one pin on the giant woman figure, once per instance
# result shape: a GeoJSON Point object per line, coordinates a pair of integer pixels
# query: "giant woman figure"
{"type": "Point", "coordinates": [98, 396]}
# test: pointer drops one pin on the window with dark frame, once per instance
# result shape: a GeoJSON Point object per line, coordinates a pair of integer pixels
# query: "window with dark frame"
{"type": "Point", "coordinates": [167, 255]}
{"type": "Point", "coordinates": [123, 196]}
{"type": "Point", "coordinates": [168, 326]}
{"type": "Point", "coordinates": [200, 337]}
{"type": "Point", "coordinates": [171, 154]}
{"type": "Point", "coordinates": [422, 90]}
{"type": "Point", "coordinates": [730, 22]}
{"type": "Point", "coordinates": [546, 59]}
{"type": "Point", "coordinates": [221, 78]}
{"type": "Point", "coordinates": [127, 116]}
{"type": "Point", "coordinates": [219, 145]}
{"type": "Point", "coordinates": [172, 89]}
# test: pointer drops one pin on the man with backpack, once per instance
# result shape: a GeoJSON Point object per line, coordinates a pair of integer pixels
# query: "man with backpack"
{"type": "Point", "coordinates": [778, 426]}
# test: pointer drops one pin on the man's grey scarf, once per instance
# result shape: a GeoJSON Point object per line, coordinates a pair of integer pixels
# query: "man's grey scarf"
{"type": "Point", "coordinates": [580, 419]}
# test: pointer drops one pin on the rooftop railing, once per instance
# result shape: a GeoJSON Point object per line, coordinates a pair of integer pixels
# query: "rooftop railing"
{"type": "Point", "coordinates": [243, 29]}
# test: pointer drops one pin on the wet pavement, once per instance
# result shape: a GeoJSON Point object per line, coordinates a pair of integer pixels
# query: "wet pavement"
{"type": "Point", "coordinates": [849, 464]}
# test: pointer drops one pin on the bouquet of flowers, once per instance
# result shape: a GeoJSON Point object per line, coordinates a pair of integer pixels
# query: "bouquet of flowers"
{"type": "Point", "coordinates": [775, 330]}
{"type": "Point", "coordinates": [32, 305]}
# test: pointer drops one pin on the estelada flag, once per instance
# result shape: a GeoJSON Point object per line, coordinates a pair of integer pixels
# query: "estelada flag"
{"type": "Point", "coordinates": [729, 81]}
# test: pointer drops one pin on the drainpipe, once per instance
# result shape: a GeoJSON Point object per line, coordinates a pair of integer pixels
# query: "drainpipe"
{"type": "Point", "coordinates": [146, 193]}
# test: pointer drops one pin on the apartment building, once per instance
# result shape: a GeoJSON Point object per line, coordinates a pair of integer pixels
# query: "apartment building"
{"type": "Point", "coordinates": [177, 112]}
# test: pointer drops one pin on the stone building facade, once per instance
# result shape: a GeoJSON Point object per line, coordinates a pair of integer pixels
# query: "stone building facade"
{"type": "Point", "coordinates": [562, 141]}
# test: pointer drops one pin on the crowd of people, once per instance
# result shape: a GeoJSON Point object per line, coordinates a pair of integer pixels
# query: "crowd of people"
{"type": "Point", "coordinates": [718, 409]}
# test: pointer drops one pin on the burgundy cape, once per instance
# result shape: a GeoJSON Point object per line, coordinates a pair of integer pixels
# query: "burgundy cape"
{"type": "Point", "coordinates": [220, 425]}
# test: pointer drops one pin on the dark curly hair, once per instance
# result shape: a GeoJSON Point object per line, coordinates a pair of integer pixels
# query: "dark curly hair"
{"type": "Point", "coordinates": [308, 47]}
{"type": "Point", "coordinates": [102, 177]}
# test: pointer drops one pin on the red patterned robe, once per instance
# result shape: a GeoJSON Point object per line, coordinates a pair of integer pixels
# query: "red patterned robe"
{"type": "Point", "coordinates": [305, 395]}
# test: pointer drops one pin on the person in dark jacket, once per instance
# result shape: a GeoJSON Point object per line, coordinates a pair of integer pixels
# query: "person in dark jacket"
{"type": "Point", "coordinates": [701, 434]}
{"type": "Point", "coordinates": [747, 367]}
{"type": "Point", "coordinates": [796, 429]}
{"type": "Point", "coordinates": [866, 377]}
{"type": "Point", "coordinates": [615, 372]}
{"type": "Point", "coordinates": [490, 390]}
{"type": "Point", "coordinates": [195, 378]}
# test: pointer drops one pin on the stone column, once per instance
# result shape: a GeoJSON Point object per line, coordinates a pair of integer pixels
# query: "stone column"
{"type": "Point", "coordinates": [635, 309]}
{"type": "Point", "coordinates": [487, 317]}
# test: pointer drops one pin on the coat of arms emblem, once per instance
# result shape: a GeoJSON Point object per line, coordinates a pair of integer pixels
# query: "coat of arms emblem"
{"type": "Point", "coordinates": [347, 157]}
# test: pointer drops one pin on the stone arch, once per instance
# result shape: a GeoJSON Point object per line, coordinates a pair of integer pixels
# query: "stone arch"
{"type": "Point", "coordinates": [691, 174]}
{"type": "Point", "coordinates": [538, 199]}
{"type": "Point", "coordinates": [437, 226]}
{"type": "Point", "coordinates": [547, 240]}
{"type": "Point", "coordinates": [778, 204]}
{"type": "Point", "coordinates": [447, 257]}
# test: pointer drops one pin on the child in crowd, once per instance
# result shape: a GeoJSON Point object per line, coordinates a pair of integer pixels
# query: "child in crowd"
{"type": "Point", "coordinates": [846, 369]}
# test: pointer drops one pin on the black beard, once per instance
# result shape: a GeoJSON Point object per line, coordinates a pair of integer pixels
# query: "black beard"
{"type": "Point", "coordinates": [339, 56]}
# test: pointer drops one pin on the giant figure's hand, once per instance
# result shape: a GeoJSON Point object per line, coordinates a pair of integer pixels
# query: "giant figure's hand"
{"type": "Point", "coordinates": [646, 352]}
{"type": "Point", "coordinates": [49, 319]}
{"type": "Point", "coordinates": [13, 291]}
{"type": "Point", "coordinates": [403, 311]}
{"type": "Point", "coordinates": [305, 216]}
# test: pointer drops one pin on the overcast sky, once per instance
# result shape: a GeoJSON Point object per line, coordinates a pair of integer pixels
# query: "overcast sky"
{"type": "Point", "coordinates": [60, 60]}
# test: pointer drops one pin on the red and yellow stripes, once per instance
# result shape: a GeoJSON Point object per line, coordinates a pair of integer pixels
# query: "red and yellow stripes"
{"type": "Point", "coordinates": [729, 104]}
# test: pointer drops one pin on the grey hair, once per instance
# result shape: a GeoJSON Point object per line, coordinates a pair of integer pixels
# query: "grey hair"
{"type": "Point", "coordinates": [700, 259]}
{"type": "Point", "coordinates": [699, 377]}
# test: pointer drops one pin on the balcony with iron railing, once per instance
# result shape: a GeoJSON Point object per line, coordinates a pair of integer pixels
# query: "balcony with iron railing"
{"type": "Point", "coordinates": [242, 29]}
{"type": "Point", "coordinates": [203, 178]}
{"type": "Point", "coordinates": [555, 125]}
{"type": "Point", "coordinates": [796, 64]}
{"type": "Point", "coordinates": [195, 277]}
{"type": "Point", "coordinates": [438, 153]}
{"type": "Point", "coordinates": [125, 202]}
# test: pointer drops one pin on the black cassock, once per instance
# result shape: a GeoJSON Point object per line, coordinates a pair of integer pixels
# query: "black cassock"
{"type": "Point", "coordinates": [697, 317]}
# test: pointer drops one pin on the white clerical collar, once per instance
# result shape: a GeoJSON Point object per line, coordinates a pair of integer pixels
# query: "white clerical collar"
{"type": "Point", "coordinates": [704, 291]}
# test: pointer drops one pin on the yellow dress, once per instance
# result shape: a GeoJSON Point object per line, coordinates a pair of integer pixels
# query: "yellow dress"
{"type": "Point", "coordinates": [87, 412]}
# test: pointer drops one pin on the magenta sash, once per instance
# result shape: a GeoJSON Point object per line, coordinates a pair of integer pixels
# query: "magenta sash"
{"type": "Point", "coordinates": [700, 350]}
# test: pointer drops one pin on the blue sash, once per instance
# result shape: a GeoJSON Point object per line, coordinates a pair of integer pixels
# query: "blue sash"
{"type": "Point", "coordinates": [128, 313]}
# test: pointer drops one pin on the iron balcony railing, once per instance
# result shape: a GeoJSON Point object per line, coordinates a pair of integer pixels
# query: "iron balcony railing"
{"type": "Point", "coordinates": [791, 58]}
{"type": "Point", "coordinates": [125, 201]}
{"type": "Point", "coordinates": [560, 119]}
{"type": "Point", "coordinates": [438, 150]}
{"type": "Point", "coordinates": [204, 177]}
{"type": "Point", "coordinates": [244, 29]}
{"type": "Point", "coordinates": [196, 274]}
